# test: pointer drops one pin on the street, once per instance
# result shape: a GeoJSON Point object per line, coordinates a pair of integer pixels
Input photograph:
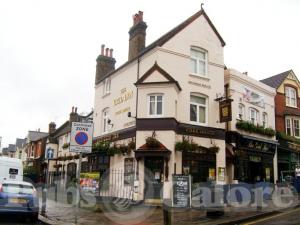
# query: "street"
{"type": "Point", "coordinates": [290, 217]}
{"type": "Point", "coordinates": [16, 220]}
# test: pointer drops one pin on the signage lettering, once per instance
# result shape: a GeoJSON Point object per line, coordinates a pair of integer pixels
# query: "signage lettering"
{"type": "Point", "coordinates": [127, 109]}
{"type": "Point", "coordinates": [125, 96]}
{"type": "Point", "coordinates": [200, 131]}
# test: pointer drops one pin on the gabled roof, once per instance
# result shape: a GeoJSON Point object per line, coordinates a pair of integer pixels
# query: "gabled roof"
{"type": "Point", "coordinates": [166, 37]}
{"type": "Point", "coordinates": [36, 135]}
{"type": "Point", "coordinates": [156, 67]}
{"type": "Point", "coordinates": [276, 80]}
{"type": "Point", "coordinates": [20, 143]}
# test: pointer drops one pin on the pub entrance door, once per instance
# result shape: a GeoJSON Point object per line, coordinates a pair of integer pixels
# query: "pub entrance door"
{"type": "Point", "coordinates": [154, 167]}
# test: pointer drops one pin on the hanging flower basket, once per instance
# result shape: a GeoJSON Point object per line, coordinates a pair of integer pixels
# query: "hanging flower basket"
{"type": "Point", "coordinates": [66, 145]}
{"type": "Point", "coordinates": [152, 142]}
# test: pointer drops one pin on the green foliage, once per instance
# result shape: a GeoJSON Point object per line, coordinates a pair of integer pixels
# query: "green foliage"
{"type": "Point", "coordinates": [152, 142]}
{"type": "Point", "coordinates": [66, 145]}
{"type": "Point", "coordinates": [100, 146]}
{"type": "Point", "coordinates": [284, 136]}
{"type": "Point", "coordinates": [251, 128]}
{"type": "Point", "coordinates": [190, 146]}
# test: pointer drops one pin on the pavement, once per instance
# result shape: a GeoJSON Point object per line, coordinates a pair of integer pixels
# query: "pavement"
{"type": "Point", "coordinates": [61, 213]}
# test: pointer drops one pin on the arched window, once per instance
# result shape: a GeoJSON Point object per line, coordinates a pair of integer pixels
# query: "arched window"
{"type": "Point", "coordinates": [290, 97]}
{"type": "Point", "coordinates": [198, 108]}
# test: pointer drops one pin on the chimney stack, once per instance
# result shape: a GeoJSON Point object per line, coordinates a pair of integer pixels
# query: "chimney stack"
{"type": "Point", "coordinates": [105, 63]}
{"type": "Point", "coordinates": [52, 128]}
{"type": "Point", "coordinates": [74, 115]}
{"type": "Point", "coordinates": [137, 36]}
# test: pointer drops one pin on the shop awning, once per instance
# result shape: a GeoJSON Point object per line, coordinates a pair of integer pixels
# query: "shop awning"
{"type": "Point", "coordinates": [146, 151]}
{"type": "Point", "coordinates": [260, 139]}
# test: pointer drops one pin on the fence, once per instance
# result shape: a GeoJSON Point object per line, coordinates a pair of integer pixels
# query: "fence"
{"type": "Point", "coordinates": [116, 183]}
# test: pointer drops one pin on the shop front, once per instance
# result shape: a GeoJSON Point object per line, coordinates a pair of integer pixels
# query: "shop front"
{"type": "Point", "coordinates": [201, 166]}
{"type": "Point", "coordinates": [288, 159]}
{"type": "Point", "coordinates": [253, 159]}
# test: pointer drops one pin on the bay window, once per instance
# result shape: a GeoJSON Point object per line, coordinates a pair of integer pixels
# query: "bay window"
{"type": "Point", "coordinates": [296, 128]}
{"type": "Point", "coordinates": [288, 127]}
{"type": "Point", "coordinates": [155, 105]}
{"type": "Point", "coordinates": [198, 109]}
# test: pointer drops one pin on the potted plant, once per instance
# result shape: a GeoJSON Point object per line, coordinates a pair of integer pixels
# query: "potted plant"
{"type": "Point", "coordinates": [152, 142]}
{"type": "Point", "coordinates": [66, 145]}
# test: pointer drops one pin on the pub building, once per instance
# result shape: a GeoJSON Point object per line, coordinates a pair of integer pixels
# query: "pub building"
{"type": "Point", "coordinates": [158, 111]}
{"type": "Point", "coordinates": [250, 138]}
{"type": "Point", "coordinates": [287, 119]}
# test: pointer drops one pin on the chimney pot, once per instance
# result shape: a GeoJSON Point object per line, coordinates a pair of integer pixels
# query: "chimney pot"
{"type": "Point", "coordinates": [111, 53]}
{"type": "Point", "coordinates": [106, 51]}
{"type": "Point", "coordinates": [75, 109]}
{"type": "Point", "coordinates": [137, 35]}
{"type": "Point", "coordinates": [102, 49]}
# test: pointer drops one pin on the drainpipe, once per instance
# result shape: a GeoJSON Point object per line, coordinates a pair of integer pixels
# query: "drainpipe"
{"type": "Point", "coordinates": [136, 114]}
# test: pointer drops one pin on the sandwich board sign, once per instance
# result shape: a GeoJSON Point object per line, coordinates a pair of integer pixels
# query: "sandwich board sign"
{"type": "Point", "coordinates": [81, 137]}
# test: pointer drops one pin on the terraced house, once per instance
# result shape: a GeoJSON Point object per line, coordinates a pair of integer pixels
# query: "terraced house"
{"type": "Point", "coordinates": [157, 114]}
{"type": "Point", "coordinates": [287, 117]}
{"type": "Point", "coordinates": [250, 139]}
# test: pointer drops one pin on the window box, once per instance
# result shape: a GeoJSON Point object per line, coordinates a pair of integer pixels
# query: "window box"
{"type": "Point", "coordinates": [251, 128]}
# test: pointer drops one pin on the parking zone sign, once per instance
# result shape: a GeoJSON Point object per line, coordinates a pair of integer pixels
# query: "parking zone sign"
{"type": "Point", "coordinates": [81, 137]}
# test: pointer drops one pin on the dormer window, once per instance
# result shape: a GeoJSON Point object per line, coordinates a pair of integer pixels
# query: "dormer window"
{"type": "Point", "coordinates": [290, 97]}
{"type": "Point", "coordinates": [106, 86]}
{"type": "Point", "coordinates": [198, 60]}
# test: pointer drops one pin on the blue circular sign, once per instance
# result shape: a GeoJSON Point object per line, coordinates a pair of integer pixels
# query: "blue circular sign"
{"type": "Point", "coordinates": [81, 138]}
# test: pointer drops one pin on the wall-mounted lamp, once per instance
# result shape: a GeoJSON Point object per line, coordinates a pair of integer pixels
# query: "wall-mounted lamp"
{"type": "Point", "coordinates": [129, 115]}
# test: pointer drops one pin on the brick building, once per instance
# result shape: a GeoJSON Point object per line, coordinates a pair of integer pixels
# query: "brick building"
{"type": "Point", "coordinates": [287, 119]}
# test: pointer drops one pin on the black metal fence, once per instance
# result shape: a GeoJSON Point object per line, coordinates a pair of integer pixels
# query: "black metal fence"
{"type": "Point", "coordinates": [115, 183]}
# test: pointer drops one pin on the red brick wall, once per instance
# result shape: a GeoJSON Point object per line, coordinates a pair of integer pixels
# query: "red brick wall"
{"type": "Point", "coordinates": [279, 110]}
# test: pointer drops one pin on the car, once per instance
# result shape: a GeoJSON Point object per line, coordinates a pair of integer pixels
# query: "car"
{"type": "Point", "coordinates": [19, 198]}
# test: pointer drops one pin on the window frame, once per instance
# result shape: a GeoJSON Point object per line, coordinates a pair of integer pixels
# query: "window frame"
{"type": "Point", "coordinates": [198, 104]}
{"type": "Point", "coordinates": [294, 127]}
{"type": "Point", "coordinates": [265, 119]}
{"type": "Point", "coordinates": [107, 86]}
{"type": "Point", "coordinates": [290, 126]}
{"type": "Point", "coordinates": [255, 122]}
{"type": "Point", "coordinates": [241, 116]}
{"type": "Point", "coordinates": [104, 120]}
{"type": "Point", "coordinates": [197, 73]}
{"type": "Point", "coordinates": [155, 104]}
{"type": "Point", "coordinates": [288, 96]}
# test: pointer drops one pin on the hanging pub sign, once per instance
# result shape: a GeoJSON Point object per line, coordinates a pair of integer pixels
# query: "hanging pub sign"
{"type": "Point", "coordinates": [225, 110]}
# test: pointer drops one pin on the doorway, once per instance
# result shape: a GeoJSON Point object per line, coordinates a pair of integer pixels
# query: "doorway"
{"type": "Point", "coordinates": [256, 172]}
{"type": "Point", "coordinates": [154, 175]}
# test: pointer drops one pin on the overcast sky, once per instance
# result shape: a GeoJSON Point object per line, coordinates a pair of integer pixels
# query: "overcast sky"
{"type": "Point", "coordinates": [48, 48]}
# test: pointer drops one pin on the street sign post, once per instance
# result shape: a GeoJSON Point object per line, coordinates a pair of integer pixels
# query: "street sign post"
{"type": "Point", "coordinates": [81, 142]}
{"type": "Point", "coordinates": [81, 137]}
